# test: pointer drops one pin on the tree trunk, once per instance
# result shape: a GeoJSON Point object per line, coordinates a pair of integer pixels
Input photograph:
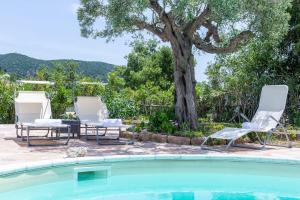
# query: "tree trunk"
{"type": "Point", "coordinates": [184, 78]}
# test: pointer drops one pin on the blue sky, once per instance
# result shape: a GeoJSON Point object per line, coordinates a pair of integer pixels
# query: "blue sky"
{"type": "Point", "coordinates": [48, 29]}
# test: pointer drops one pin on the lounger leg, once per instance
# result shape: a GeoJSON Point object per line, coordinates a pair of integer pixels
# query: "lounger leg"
{"type": "Point", "coordinates": [201, 146]}
{"type": "Point", "coordinates": [27, 130]}
{"type": "Point", "coordinates": [259, 139]}
{"type": "Point", "coordinates": [17, 131]}
{"type": "Point", "coordinates": [22, 128]}
{"type": "Point", "coordinates": [48, 131]}
{"type": "Point", "coordinates": [289, 143]}
{"type": "Point", "coordinates": [97, 135]}
{"type": "Point", "coordinates": [288, 139]}
{"type": "Point", "coordinates": [58, 133]}
{"type": "Point", "coordinates": [229, 144]}
{"type": "Point", "coordinates": [86, 137]}
{"type": "Point", "coordinates": [268, 139]}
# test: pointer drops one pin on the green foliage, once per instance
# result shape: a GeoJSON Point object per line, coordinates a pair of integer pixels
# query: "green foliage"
{"type": "Point", "coordinates": [147, 78]}
{"type": "Point", "coordinates": [161, 122]}
{"type": "Point", "coordinates": [62, 95]}
{"type": "Point", "coordinates": [235, 81]}
{"type": "Point", "coordinates": [121, 107]}
{"type": "Point", "coordinates": [6, 100]}
{"type": "Point", "coordinates": [24, 66]}
{"type": "Point", "coordinates": [149, 64]}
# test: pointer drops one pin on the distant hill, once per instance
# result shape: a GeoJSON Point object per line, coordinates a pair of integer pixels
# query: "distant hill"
{"type": "Point", "coordinates": [24, 66]}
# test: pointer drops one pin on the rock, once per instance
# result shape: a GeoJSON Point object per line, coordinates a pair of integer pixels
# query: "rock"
{"type": "Point", "coordinates": [179, 140]}
{"type": "Point", "coordinates": [74, 152]}
{"type": "Point", "coordinates": [144, 137]}
{"type": "Point", "coordinates": [298, 136]}
{"type": "Point", "coordinates": [197, 141]}
{"type": "Point", "coordinates": [159, 138]}
{"type": "Point", "coordinates": [127, 135]}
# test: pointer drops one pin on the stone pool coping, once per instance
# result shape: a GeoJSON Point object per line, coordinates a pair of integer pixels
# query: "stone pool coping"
{"type": "Point", "coordinates": [23, 168]}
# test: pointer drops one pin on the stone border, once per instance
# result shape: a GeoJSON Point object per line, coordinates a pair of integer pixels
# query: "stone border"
{"type": "Point", "coordinates": [23, 168]}
{"type": "Point", "coordinates": [146, 136]}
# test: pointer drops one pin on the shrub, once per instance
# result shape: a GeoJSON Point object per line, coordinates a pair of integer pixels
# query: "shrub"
{"type": "Point", "coordinates": [161, 121]}
{"type": "Point", "coordinates": [121, 107]}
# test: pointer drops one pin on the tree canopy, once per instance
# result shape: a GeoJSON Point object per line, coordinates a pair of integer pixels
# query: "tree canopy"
{"type": "Point", "coordinates": [214, 26]}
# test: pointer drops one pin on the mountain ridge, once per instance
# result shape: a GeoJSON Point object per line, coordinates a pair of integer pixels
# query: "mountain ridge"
{"type": "Point", "coordinates": [24, 66]}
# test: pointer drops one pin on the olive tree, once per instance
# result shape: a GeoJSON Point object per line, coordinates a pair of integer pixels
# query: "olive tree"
{"type": "Point", "coordinates": [212, 26]}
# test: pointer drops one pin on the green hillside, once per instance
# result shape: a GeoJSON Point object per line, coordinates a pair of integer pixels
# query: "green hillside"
{"type": "Point", "coordinates": [24, 66]}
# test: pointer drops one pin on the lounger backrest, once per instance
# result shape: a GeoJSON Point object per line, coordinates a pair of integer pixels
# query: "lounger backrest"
{"type": "Point", "coordinates": [28, 112]}
{"type": "Point", "coordinates": [31, 97]}
{"type": "Point", "coordinates": [272, 103]}
{"type": "Point", "coordinates": [90, 109]}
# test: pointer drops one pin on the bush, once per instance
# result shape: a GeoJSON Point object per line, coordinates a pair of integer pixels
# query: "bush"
{"type": "Point", "coordinates": [161, 122]}
{"type": "Point", "coordinates": [120, 107]}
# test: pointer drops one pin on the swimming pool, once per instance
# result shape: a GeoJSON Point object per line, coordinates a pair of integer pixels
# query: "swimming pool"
{"type": "Point", "coordinates": [161, 178]}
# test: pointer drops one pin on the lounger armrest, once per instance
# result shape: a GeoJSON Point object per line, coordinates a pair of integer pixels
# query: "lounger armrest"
{"type": "Point", "coordinates": [279, 123]}
{"type": "Point", "coordinates": [245, 117]}
{"type": "Point", "coordinates": [270, 116]}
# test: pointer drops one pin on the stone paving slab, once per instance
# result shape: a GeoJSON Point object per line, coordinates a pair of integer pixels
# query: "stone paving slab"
{"type": "Point", "coordinates": [15, 151]}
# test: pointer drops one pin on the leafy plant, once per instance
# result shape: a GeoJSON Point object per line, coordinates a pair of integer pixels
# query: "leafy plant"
{"type": "Point", "coordinates": [161, 122]}
{"type": "Point", "coordinates": [121, 107]}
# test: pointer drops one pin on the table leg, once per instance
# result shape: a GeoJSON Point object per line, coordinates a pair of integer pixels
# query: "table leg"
{"type": "Point", "coordinates": [27, 130]}
{"type": "Point", "coordinates": [79, 131]}
{"type": "Point", "coordinates": [69, 132]}
{"type": "Point", "coordinates": [57, 132]}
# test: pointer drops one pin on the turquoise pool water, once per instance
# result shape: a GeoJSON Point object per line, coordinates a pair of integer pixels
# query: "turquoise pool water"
{"type": "Point", "coordinates": [158, 180]}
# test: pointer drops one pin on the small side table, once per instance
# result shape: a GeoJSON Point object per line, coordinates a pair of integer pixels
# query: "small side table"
{"type": "Point", "coordinates": [75, 127]}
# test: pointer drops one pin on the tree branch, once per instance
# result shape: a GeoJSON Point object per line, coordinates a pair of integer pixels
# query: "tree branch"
{"type": "Point", "coordinates": [212, 31]}
{"type": "Point", "coordinates": [165, 17]}
{"type": "Point", "coordinates": [192, 26]}
{"type": "Point", "coordinates": [153, 29]}
{"type": "Point", "coordinates": [158, 9]}
{"type": "Point", "coordinates": [231, 47]}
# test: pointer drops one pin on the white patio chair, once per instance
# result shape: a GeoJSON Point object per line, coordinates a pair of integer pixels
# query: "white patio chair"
{"type": "Point", "coordinates": [93, 114]}
{"type": "Point", "coordinates": [266, 119]}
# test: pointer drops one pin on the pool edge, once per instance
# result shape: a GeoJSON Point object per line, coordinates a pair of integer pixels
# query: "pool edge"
{"type": "Point", "coordinates": [19, 168]}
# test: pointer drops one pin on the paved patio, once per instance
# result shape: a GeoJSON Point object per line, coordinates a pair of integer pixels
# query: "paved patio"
{"type": "Point", "coordinates": [14, 151]}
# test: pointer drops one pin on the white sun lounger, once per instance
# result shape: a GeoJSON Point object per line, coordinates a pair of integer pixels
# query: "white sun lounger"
{"type": "Point", "coordinates": [93, 114]}
{"type": "Point", "coordinates": [33, 112]}
{"type": "Point", "coordinates": [266, 119]}
{"type": "Point", "coordinates": [31, 105]}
